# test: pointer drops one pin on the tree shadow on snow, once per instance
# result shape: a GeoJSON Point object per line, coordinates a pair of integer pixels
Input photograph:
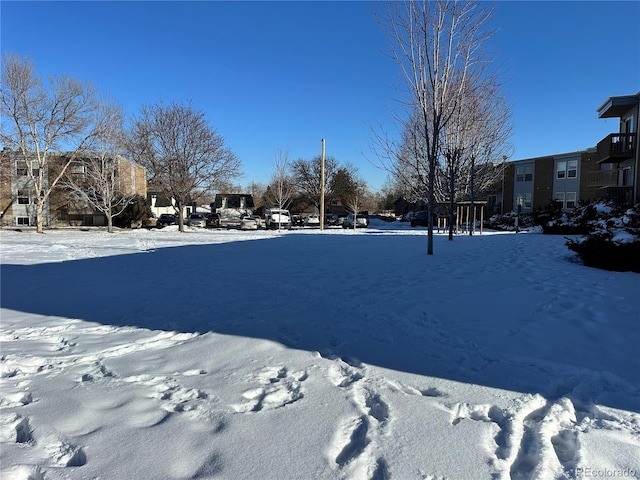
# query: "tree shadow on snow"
{"type": "Point", "coordinates": [334, 294]}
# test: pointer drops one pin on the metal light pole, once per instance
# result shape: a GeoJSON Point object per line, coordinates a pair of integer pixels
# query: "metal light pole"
{"type": "Point", "coordinates": [322, 189]}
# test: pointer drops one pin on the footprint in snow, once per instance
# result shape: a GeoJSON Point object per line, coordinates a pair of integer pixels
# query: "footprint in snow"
{"type": "Point", "coordinates": [278, 388]}
{"type": "Point", "coordinates": [66, 454]}
{"type": "Point", "coordinates": [25, 472]}
{"type": "Point", "coordinates": [342, 375]}
{"type": "Point", "coordinates": [15, 428]}
{"type": "Point", "coordinates": [173, 396]}
{"type": "Point", "coordinates": [16, 399]}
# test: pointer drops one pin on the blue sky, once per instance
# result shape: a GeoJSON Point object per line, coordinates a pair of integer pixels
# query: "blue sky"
{"type": "Point", "coordinates": [283, 75]}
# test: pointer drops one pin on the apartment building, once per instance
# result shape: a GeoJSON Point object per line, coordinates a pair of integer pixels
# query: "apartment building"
{"type": "Point", "coordinates": [18, 196]}
{"type": "Point", "coordinates": [608, 171]}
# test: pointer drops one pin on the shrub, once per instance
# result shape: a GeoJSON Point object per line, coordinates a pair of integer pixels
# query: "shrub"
{"type": "Point", "coordinates": [136, 212]}
{"type": "Point", "coordinates": [507, 222]}
{"type": "Point", "coordinates": [612, 239]}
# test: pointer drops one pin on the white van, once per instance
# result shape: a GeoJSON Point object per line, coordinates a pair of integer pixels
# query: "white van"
{"type": "Point", "coordinates": [275, 218]}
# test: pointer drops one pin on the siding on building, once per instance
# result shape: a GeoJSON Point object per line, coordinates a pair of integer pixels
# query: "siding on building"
{"type": "Point", "coordinates": [543, 182]}
{"type": "Point", "coordinates": [59, 210]}
{"type": "Point", "coordinates": [543, 185]}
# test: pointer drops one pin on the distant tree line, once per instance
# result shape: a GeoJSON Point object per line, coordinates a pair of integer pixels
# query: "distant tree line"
{"type": "Point", "coordinates": [184, 156]}
{"type": "Point", "coordinates": [297, 185]}
{"type": "Point", "coordinates": [453, 133]}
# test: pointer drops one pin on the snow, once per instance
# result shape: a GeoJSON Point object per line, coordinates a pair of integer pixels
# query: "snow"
{"type": "Point", "coordinates": [314, 355]}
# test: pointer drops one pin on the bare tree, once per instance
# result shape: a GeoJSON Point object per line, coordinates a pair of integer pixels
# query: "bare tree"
{"type": "Point", "coordinates": [436, 45]}
{"type": "Point", "coordinates": [307, 175]}
{"type": "Point", "coordinates": [257, 191]}
{"type": "Point", "coordinates": [356, 199]}
{"type": "Point", "coordinates": [490, 134]}
{"type": "Point", "coordinates": [183, 154]}
{"type": "Point", "coordinates": [96, 179]}
{"type": "Point", "coordinates": [39, 120]}
{"type": "Point", "coordinates": [454, 158]}
{"type": "Point", "coordinates": [281, 190]}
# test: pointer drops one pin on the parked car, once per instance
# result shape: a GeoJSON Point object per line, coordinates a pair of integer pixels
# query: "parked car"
{"type": "Point", "coordinates": [196, 220]}
{"type": "Point", "coordinates": [275, 218]}
{"type": "Point", "coordinates": [213, 220]}
{"type": "Point", "coordinates": [297, 221]}
{"type": "Point", "coordinates": [361, 221]}
{"type": "Point", "coordinates": [420, 219]}
{"type": "Point", "coordinates": [249, 223]}
{"type": "Point", "coordinates": [167, 219]}
{"type": "Point", "coordinates": [336, 219]}
{"type": "Point", "coordinates": [312, 220]}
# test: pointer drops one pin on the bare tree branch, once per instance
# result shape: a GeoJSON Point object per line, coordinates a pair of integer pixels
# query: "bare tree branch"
{"type": "Point", "coordinates": [39, 119]}
{"type": "Point", "coordinates": [184, 155]}
{"type": "Point", "coordinates": [281, 190]}
{"type": "Point", "coordinates": [437, 45]}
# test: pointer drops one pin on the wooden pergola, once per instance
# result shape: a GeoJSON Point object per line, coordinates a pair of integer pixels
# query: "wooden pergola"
{"type": "Point", "coordinates": [462, 215]}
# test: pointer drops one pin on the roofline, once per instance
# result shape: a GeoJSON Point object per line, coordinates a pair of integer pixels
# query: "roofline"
{"type": "Point", "coordinates": [555, 155]}
{"type": "Point", "coordinates": [621, 100]}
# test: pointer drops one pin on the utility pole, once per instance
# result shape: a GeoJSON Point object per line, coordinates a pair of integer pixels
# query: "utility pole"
{"type": "Point", "coordinates": [322, 190]}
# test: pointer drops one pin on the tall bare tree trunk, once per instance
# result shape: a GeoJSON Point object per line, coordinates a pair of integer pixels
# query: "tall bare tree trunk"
{"type": "Point", "coordinates": [435, 44]}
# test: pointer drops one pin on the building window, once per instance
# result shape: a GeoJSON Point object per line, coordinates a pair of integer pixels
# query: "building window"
{"type": "Point", "coordinates": [23, 171]}
{"type": "Point", "coordinates": [524, 200]}
{"type": "Point", "coordinates": [560, 199]}
{"type": "Point", "coordinates": [567, 169]}
{"type": "Point", "coordinates": [77, 168]}
{"type": "Point", "coordinates": [21, 168]}
{"type": "Point", "coordinates": [24, 221]}
{"type": "Point", "coordinates": [23, 197]}
{"type": "Point", "coordinates": [524, 173]}
{"type": "Point", "coordinates": [571, 199]}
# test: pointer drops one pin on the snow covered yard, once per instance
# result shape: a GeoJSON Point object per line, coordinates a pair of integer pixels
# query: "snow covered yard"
{"type": "Point", "coordinates": [314, 355]}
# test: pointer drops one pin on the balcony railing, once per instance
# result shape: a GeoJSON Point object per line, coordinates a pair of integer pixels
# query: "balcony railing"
{"type": "Point", "coordinates": [616, 147]}
{"type": "Point", "coordinates": [602, 178]}
{"type": "Point", "coordinates": [622, 195]}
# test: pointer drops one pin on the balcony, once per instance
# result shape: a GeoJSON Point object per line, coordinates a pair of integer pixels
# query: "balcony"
{"type": "Point", "coordinates": [616, 147]}
{"type": "Point", "coordinates": [602, 178]}
{"type": "Point", "coordinates": [621, 195]}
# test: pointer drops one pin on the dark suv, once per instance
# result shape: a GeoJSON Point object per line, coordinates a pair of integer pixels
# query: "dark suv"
{"type": "Point", "coordinates": [213, 220]}
{"type": "Point", "coordinates": [167, 219]}
{"type": "Point", "coordinates": [420, 219]}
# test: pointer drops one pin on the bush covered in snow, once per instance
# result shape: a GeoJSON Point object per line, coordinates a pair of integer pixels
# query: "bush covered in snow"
{"type": "Point", "coordinates": [611, 235]}
{"type": "Point", "coordinates": [554, 220]}
{"type": "Point", "coordinates": [507, 222]}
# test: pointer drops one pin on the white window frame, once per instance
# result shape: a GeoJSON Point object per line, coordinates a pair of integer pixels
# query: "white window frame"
{"type": "Point", "coordinates": [20, 221]}
{"type": "Point", "coordinates": [560, 198]}
{"type": "Point", "coordinates": [567, 169]}
{"type": "Point", "coordinates": [524, 173]}
{"type": "Point", "coordinates": [524, 199]}
{"type": "Point", "coordinates": [23, 197]}
{"type": "Point", "coordinates": [21, 169]}
{"type": "Point", "coordinates": [571, 199]}
{"type": "Point", "coordinates": [77, 168]}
